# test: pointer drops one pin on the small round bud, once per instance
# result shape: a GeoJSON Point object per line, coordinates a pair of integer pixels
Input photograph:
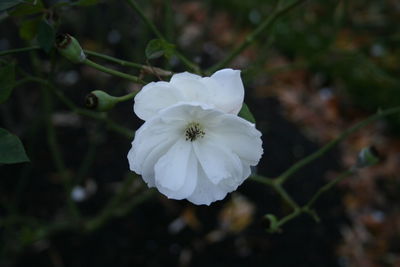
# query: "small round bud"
{"type": "Point", "coordinates": [367, 157]}
{"type": "Point", "coordinates": [70, 48]}
{"type": "Point", "coordinates": [100, 101]}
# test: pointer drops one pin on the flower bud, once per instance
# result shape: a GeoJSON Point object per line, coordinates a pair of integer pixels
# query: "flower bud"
{"type": "Point", "coordinates": [70, 48]}
{"type": "Point", "coordinates": [367, 157]}
{"type": "Point", "coordinates": [100, 101]}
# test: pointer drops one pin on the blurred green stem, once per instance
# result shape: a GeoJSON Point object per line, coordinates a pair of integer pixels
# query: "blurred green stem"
{"type": "Point", "coordinates": [307, 160]}
{"type": "Point", "coordinates": [267, 23]}
{"type": "Point", "coordinates": [85, 112]}
{"type": "Point", "coordinates": [113, 72]}
{"type": "Point", "coordinates": [148, 69]}
{"type": "Point", "coordinates": [154, 29]}
{"type": "Point", "coordinates": [108, 210]}
{"type": "Point", "coordinates": [277, 183]}
{"type": "Point", "coordinates": [19, 50]}
{"type": "Point", "coordinates": [308, 207]}
{"type": "Point", "coordinates": [56, 151]}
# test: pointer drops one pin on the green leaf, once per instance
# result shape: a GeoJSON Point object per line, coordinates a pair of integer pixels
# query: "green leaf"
{"type": "Point", "coordinates": [7, 80]}
{"type": "Point", "coordinates": [86, 2]}
{"type": "Point", "coordinates": [11, 148]}
{"type": "Point", "coordinates": [157, 48]}
{"type": "Point", "coordinates": [27, 9]}
{"type": "Point", "coordinates": [6, 4]}
{"type": "Point", "coordinates": [246, 114]}
{"type": "Point", "coordinates": [28, 29]}
{"type": "Point", "coordinates": [46, 36]}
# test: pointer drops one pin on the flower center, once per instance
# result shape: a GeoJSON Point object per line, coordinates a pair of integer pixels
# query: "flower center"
{"type": "Point", "coordinates": [193, 131]}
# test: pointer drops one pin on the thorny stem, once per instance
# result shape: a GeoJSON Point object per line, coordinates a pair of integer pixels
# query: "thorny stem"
{"type": "Point", "coordinates": [154, 29]}
{"type": "Point", "coordinates": [267, 23]}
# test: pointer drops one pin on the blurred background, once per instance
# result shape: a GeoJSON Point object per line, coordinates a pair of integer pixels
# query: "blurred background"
{"type": "Point", "coordinates": [321, 68]}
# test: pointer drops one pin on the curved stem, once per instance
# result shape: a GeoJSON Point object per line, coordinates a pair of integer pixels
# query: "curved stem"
{"type": "Point", "coordinates": [19, 50]}
{"type": "Point", "coordinates": [307, 160]}
{"type": "Point", "coordinates": [307, 208]}
{"type": "Point", "coordinates": [267, 23]}
{"type": "Point", "coordinates": [327, 187]}
{"type": "Point", "coordinates": [148, 69]}
{"type": "Point", "coordinates": [113, 72]}
{"type": "Point", "coordinates": [85, 112]}
{"type": "Point", "coordinates": [154, 29]}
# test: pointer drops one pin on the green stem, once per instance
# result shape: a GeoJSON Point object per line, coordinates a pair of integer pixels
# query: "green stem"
{"type": "Point", "coordinates": [148, 69]}
{"type": "Point", "coordinates": [113, 59]}
{"type": "Point", "coordinates": [85, 112]}
{"type": "Point", "coordinates": [154, 29]}
{"type": "Point", "coordinates": [113, 72]}
{"type": "Point", "coordinates": [126, 97]}
{"type": "Point", "coordinates": [56, 152]}
{"type": "Point", "coordinates": [19, 50]}
{"type": "Point", "coordinates": [307, 208]}
{"type": "Point", "coordinates": [109, 209]}
{"type": "Point", "coordinates": [277, 187]}
{"type": "Point", "coordinates": [327, 187]}
{"type": "Point", "coordinates": [307, 160]}
{"type": "Point", "coordinates": [267, 23]}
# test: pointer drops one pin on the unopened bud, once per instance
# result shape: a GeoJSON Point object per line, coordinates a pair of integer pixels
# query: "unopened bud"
{"type": "Point", "coordinates": [70, 48]}
{"type": "Point", "coordinates": [100, 101]}
{"type": "Point", "coordinates": [367, 157]}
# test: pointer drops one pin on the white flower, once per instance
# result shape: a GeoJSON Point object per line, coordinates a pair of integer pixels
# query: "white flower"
{"type": "Point", "coordinates": [223, 91]}
{"type": "Point", "coordinates": [193, 150]}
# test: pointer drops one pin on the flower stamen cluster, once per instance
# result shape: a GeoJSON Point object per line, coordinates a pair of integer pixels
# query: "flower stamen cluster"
{"type": "Point", "coordinates": [193, 131]}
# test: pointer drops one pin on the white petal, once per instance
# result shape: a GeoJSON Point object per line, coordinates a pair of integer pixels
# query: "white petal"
{"type": "Point", "coordinates": [171, 169]}
{"type": "Point", "coordinates": [189, 184]}
{"type": "Point", "coordinates": [217, 162]}
{"type": "Point", "coordinates": [240, 136]}
{"type": "Point", "coordinates": [229, 91]}
{"type": "Point", "coordinates": [150, 161]}
{"type": "Point", "coordinates": [155, 96]}
{"type": "Point", "coordinates": [192, 87]}
{"type": "Point", "coordinates": [151, 141]}
{"type": "Point", "coordinates": [206, 192]}
{"type": "Point", "coordinates": [184, 75]}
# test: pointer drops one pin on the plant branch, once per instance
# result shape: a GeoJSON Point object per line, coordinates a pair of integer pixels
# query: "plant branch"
{"type": "Point", "coordinates": [109, 209]}
{"type": "Point", "coordinates": [113, 72]}
{"type": "Point", "coordinates": [307, 160]}
{"type": "Point", "coordinates": [85, 112]}
{"type": "Point", "coordinates": [19, 50]}
{"type": "Point", "coordinates": [148, 69]}
{"type": "Point", "coordinates": [154, 29]}
{"type": "Point", "coordinates": [267, 23]}
{"type": "Point", "coordinates": [308, 207]}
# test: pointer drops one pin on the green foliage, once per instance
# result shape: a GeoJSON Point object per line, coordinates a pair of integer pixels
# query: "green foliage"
{"type": "Point", "coordinates": [157, 48]}
{"type": "Point", "coordinates": [86, 2]}
{"type": "Point", "coordinates": [11, 148]}
{"type": "Point", "coordinates": [6, 4]}
{"type": "Point", "coordinates": [273, 227]}
{"type": "Point", "coordinates": [46, 36]}
{"type": "Point", "coordinates": [26, 9]}
{"type": "Point", "coordinates": [7, 80]}
{"type": "Point", "coordinates": [28, 29]}
{"type": "Point", "coordinates": [246, 114]}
